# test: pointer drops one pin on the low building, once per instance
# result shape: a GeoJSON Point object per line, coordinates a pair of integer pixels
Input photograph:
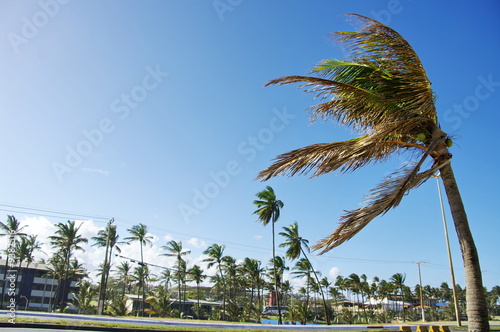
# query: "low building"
{"type": "Point", "coordinates": [32, 287]}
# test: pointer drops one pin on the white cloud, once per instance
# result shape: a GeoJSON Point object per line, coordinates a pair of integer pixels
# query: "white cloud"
{"type": "Point", "coordinates": [257, 237]}
{"type": "Point", "coordinates": [334, 272]}
{"type": "Point", "coordinates": [197, 243]}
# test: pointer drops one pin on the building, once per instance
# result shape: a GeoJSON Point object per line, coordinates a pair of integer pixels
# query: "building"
{"type": "Point", "coordinates": [32, 288]}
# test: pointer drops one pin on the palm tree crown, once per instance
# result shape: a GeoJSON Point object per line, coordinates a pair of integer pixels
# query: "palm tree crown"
{"type": "Point", "coordinates": [382, 92]}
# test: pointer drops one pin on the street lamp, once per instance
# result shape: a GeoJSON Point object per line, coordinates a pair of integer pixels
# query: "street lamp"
{"type": "Point", "coordinates": [455, 300]}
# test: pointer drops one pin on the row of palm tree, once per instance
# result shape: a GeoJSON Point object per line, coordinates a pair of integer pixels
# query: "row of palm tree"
{"type": "Point", "coordinates": [239, 286]}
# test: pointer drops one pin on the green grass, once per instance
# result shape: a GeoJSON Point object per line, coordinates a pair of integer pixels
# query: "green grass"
{"type": "Point", "coordinates": [150, 327]}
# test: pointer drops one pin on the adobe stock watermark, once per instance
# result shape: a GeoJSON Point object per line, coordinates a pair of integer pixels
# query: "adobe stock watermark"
{"type": "Point", "coordinates": [224, 6]}
{"type": "Point", "coordinates": [121, 107]}
{"type": "Point", "coordinates": [460, 111]}
{"type": "Point", "coordinates": [248, 149]}
{"type": "Point", "coordinates": [11, 277]}
{"type": "Point", "coordinates": [31, 26]}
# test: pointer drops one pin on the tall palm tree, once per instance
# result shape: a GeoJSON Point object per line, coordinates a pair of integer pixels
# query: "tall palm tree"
{"type": "Point", "coordinates": [196, 274]}
{"type": "Point", "coordinates": [268, 211]}
{"type": "Point", "coordinates": [12, 229]}
{"type": "Point", "coordinates": [107, 238]}
{"type": "Point", "coordinates": [67, 240]}
{"type": "Point", "coordinates": [382, 92]}
{"type": "Point", "coordinates": [139, 233]}
{"type": "Point", "coordinates": [215, 254]}
{"type": "Point", "coordinates": [398, 280]}
{"type": "Point", "coordinates": [174, 249]}
{"type": "Point", "coordinates": [296, 244]}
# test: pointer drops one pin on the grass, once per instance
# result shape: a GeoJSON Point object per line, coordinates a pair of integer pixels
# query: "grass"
{"type": "Point", "coordinates": [153, 327]}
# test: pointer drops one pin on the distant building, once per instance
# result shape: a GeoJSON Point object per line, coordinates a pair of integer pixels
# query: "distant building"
{"type": "Point", "coordinates": [32, 288]}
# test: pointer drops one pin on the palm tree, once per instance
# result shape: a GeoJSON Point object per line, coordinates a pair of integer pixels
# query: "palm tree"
{"type": "Point", "coordinates": [124, 275]}
{"type": "Point", "coordinates": [268, 211]}
{"type": "Point", "coordinates": [67, 240]}
{"type": "Point", "coordinates": [296, 245]}
{"type": "Point", "coordinates": [140, 276]}
{"type": "Point", "coordinates": [83, 299]}
{"type": "Point", "coordinates": [175, 250]}
{"type": "Point", "coordinates": [215, 254]}
{"type": "Point", "coordinates": [398, 281]}
{"type": "Point", "coordinates": [24, 252]}
{"type": "Point", "coordinates": [383, 93]}
{"type": "Point", "coordinates": [12, 229]}
{"type": "Point", "coordinates": [302, 269]}
{"type": "Point", "coordinates": [159, 300]}
{"type": "Point", "coordinates": [196, 274]}
{"type": "Point", "coordinates": [140, 234]}
{"type": "Point", "coordinates": [106, 238]}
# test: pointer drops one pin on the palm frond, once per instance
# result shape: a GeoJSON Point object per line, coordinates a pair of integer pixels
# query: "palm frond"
{"type": "Point", "coordinates": [383, 197]}
{"type": "Point", "coordinates": [345, 156]}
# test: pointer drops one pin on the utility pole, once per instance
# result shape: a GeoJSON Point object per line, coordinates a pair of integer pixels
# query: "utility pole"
{"type": "Point", "coordinates": [450, 260]}
{"type": "Point", "coordinates": [421, 290]}
{"type": "Point", "coordinates": [102, 288]}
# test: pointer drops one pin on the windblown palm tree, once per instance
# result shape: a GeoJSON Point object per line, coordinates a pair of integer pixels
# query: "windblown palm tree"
{"type": "Point", "coordinates": [67, 240]}
{"type": "Point", "coordinates": [296, 245]}
{"type": "Point", "coordinates": [140, 234]}
{"type": "Point", "coordinates": [268, 211]}
{"type": "Point", "coordinates": [382, 92]}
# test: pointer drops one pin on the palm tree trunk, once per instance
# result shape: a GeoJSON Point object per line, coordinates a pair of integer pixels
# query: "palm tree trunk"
{"type": "Point", "coordinates": [476, 298]}
{"type": "Point", "coordinates": [325, 307]}
{"type": "Point", "coordinates": [280, 321]}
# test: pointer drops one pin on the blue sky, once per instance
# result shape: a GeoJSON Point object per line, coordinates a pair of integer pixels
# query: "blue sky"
{"type": "Point", "coordinates": [156, 112]}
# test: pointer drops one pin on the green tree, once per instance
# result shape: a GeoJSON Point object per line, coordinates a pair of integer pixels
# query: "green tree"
{"type": "Point", "coordinates": [175, 249]}
{"type": "Point", "coordinates": [398, 281]}
{"type": "Point", "coordinates": [383, 93]}
{"type": "Point", "coordinates": [107, 238]}
{"type": "Point", "coordinates": [12, 229]}
{"type": "Point", "coordinates": [295, 245]}
{"type": "Point", "coordinates": [268, 211]}
{"type": "Point", "coordinates": [159, 300]}
{"type": "Point", "coordinates": [124, 270]}
{"type": "Point", "coordinates": [139, 233]}
{"type": "Point", "coordinates": [215, 254]}
{"type": "Point", "coordinates": [67, 240]}
{"type": "Point", "coordinates": [83, 299]}
{"type": "Point", "coordinates": [196, 274]}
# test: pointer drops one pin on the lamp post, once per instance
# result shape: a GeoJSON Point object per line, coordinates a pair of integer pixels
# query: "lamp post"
{"type": "Point", "coordinates": [454, 288]}
{"type": "Point", "coordinates": [421, 292]}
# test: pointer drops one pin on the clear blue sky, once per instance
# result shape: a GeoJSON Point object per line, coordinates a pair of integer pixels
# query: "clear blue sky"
{"type": "Point", "coordinates": [156, 112]}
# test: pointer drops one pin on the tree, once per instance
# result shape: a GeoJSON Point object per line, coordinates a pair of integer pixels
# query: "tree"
{"type": "Point", "coordinates": [106, 238]}
{"type": "Point", "coordinates": [83, 299]}
{"type": "Point", "coordinates": [196, 274]}
{"type": "Point", "coordinates": [140, 234]}
{"type": "Point", "coordinates": [383, 93]}
{"type": "Point", "coordinates": [12, 229]}
{"type": "Point", "coordinates": [296, 244]}
{"type": "Point", "coordinates": [302, 269]}
{"type": "Point", "coordinates": [159, 300]}
{"type": "Point", "coordinates": [398, 281]}
{"type": "Point", "coordinates": [67, 240]}
{"type": "Point", "coordinates": [24, 252]}
{"type": "Point", "coordinates": [215, 254]}
{"type": "Point", "coordinates": [124, 275]}
{"type": "Point", "coordinates": [268, 211]}
{"type": "Point", "coordinates": [175, 250]}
